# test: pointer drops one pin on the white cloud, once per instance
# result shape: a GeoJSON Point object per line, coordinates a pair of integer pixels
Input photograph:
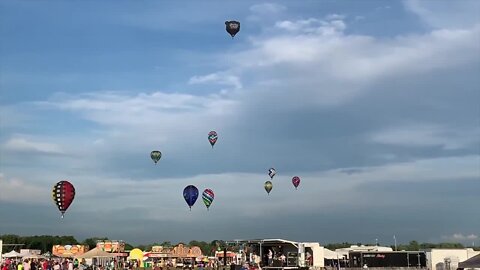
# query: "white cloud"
{"type": "Point", "coordinates": [24, 145]}
{"type": "Point", "coordinates": [217, 78]}
{"type": "Point", "coordinates": [446, 14]}
{"type": "Point", "coordinates": [267, 8]}
{"type": "Point", "coordinates": [147, 118]}
{"type": "Point", "coordinates": [335, 17]}
{"type": "Point", "coordinates": [332, 68]}
{"type": "Point", "coordinates": [20, 191]}
{"type": "Point", "coordinates": [461, 237]}
{"type": "Point", "coordinates": [427, 135]}
{"type": "Point", "coordinates": [313, 25]}
{"type": "Point", "coordinates": [265, 12]}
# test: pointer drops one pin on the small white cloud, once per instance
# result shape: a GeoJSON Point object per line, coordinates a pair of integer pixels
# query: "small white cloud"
{"type": "Point", "coordinates": [24, 145]}
{"type": "Point", "coordinates": [359, 18]}
{"type": "Point", "coordinates": [383, 7]}
{"type": "Point", "coordinates": [313, 25]}
{"type": "Point", "coordinates": [19, 191]}
{"type": "Point", "coordinates": [461, 237]}
{"type": "Point", "coordinates": [267, 8]}
{"type": "Point", "coordinates": [265, 12]}
{"type": "Point", "coordinates": [427, 135]}
{"type": "Point", "coordinates": [217, 78]}
{"type": "Point", "coordinates": [335, 17]}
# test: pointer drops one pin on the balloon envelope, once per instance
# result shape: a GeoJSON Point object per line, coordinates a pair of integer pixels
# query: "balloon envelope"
{"type": "Point", "coordinates": [212, 137]}
{"type": "Point", "coordinates": [271, 172]}
{"type": "Point", "coordinates": [268, 186]}
{"type": "Point", "coordinates": [190, 194]}
{"type": "Point", "coordinates": [155, 156]}
{"type": "Point", "coordinates": [296, 181]}
{"type": "Point", "coordinates": [232, 27]}
{"type": "Point", "coordinates": [63, 194]}
{"type": "Point", "coordinates": [207, 197]}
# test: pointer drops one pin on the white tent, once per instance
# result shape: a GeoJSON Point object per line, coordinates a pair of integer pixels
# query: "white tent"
{"type": "Point", "coordinates": [330, 255]}
{"type": "Point", "coordinates": [12, 254]}
{"type": "Point", "coordinates": [34, 256]}
{"type": "Point", "coordinates": [95, 253]}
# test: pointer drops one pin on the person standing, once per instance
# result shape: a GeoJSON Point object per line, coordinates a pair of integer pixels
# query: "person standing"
{"type": "Point", "coordinates": [26, 265]}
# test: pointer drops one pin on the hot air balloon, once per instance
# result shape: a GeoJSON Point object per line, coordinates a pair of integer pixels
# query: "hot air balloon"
{"type": "Point", "coordinates": [155, 155]}
{"type": "Point", "coordinates": [271, 172]}
{"type": "Point", "coordinates": [212, 137]}
{"type": "Point", "coordinates": [207, 197]}
{"type": "Point", "coordinates": [190, 194]}
{"type": "Point", "coordinates": [268, 186]}
{"type": "Point", "coordinates": [63, 194]}
{"type": "Point", "coordinates": [232, 27]}
{"type": "Point", "coordinates": [296, 181]}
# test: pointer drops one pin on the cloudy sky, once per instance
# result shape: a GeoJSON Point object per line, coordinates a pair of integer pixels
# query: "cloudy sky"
{"type": "Point", "coordinates": [375, 105]}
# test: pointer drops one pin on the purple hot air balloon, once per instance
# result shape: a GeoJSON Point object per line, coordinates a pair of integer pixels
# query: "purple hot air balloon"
{"type": "Point", "coordinates": [190, 194]}
{"type": "Point", "coordinates": [296, 181]}
{"type": "Point", "coordinates": [212, 137]}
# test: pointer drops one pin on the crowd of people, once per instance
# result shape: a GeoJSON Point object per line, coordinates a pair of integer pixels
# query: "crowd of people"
{"type": "Point", "coordinates": [42, 264]}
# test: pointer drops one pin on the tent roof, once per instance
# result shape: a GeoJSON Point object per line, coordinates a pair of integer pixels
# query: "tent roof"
{"type": "Point", "coordinates": [12, 254]}
{"type": "Point", "coordinates": [473, 262]}
{"type": "Point", "coordinates": [33, 256]}
{"type": "Point", "coordinates": [330, 255]}
{"type": "Point", "coordinates": [95, 253]}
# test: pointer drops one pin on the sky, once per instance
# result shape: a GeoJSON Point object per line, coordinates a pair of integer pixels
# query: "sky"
{"type": "Point", "coordinates": [375, 105]}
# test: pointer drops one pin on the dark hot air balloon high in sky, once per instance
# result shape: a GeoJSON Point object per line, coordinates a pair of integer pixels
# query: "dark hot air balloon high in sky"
{"type": "Point", "coordinates": [155, 156]}
{"type": "Point", "coordinates": [271, 172]}
{"type": "Point", "coordinates": [268, 186]}
{"type": "Point", "coordinates": [207, 197]}
{"type": "Point", "coordinates": [63, 194]}
{"type": "Point", "coordinates": [296, 181]}
{"type": "Point", "coordinates": [232, 27]}
{"type": "Point", "coordinates": [212, 137]}
{"type": "Point", "coordinates": [190, 194]}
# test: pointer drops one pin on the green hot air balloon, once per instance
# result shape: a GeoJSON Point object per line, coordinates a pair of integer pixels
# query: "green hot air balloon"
{"type": "Point", "coordinates": [156, 155]}
{"type": "Point", "coordinates": [268, 186]}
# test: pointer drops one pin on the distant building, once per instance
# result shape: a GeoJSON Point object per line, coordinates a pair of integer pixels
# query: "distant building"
{"type": "Point", "coordinates": [448, 259]}
{"type": "Point", "coordinates": [112, 246]}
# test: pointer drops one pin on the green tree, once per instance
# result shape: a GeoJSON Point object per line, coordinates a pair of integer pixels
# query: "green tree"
{"type": "Point", "coordinates": [413, 245]}
{"type": "Point", "coordinates": [92, 242]}
{"type": "Point", "coordinates": [128, 246]}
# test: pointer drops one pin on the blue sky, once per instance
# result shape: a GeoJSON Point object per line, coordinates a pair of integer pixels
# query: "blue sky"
{"type": "Point", "coordinates": [374, 104]}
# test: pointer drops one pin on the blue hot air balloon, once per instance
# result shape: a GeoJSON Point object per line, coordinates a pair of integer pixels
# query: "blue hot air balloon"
{"type": "Point", "coordinates": [190, 194]}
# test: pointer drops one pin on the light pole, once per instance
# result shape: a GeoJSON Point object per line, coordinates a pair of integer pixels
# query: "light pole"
{"type": "Point", "coordinates": [395, 239]}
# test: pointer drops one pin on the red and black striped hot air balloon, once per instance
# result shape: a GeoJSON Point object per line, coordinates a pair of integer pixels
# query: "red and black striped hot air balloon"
{"type": "Point", "coordinates": [63, 194]}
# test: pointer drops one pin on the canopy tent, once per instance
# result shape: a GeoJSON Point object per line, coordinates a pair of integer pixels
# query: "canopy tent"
{"type": "Point", "coordinates": [330, 255]}
{"type": "Point", "coordinates": [33, 256]}
{"type": "Point", "coordinates": [473, 262]}
{"type": "Point", "coordinates": [95, 253]}
{"type": "Point", "coordinates": [12, 254]}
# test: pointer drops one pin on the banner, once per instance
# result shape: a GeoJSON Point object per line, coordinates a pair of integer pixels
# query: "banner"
{"type": "Point", "coordinates": [111, 246]}
{"type": "Point", "coordinates": [69, 250]}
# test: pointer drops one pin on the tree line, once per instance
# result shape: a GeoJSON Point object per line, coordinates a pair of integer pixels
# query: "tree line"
{"type": "Point", "coordinates": [46, 242]}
